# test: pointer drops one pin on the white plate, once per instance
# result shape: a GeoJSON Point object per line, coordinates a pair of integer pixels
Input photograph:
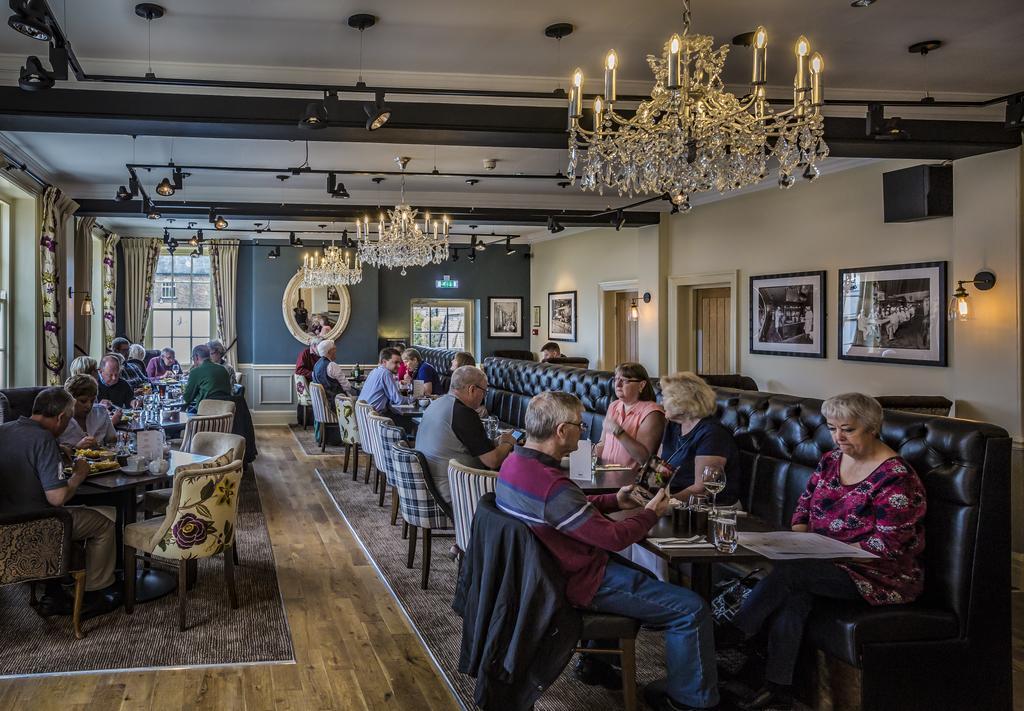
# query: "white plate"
{"type": "Point", "coordinates": [141, 469]}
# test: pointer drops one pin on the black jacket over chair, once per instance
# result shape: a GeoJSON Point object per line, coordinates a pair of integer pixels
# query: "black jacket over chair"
{"type": "Point", "coordinates": [518, 631]}
{"type": "Point", "coordinates": [950, 648]}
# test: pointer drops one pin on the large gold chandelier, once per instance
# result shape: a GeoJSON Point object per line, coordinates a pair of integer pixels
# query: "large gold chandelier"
{"type": "Point", "coordinates": [332, 268]}
{"type": "Point", "coordinates": [692, 135]}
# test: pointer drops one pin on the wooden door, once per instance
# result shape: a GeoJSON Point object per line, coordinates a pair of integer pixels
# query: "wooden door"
{"type": "Point", "coordinates": [712, 320]}
{"type": "Point", "coordinates": [626, 331]}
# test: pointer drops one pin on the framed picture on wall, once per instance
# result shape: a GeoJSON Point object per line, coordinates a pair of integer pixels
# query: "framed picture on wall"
{"type": "Point", "coordinates": [505, 316]}
{"type": "Point", "coordinates": [562, 316]}
{"type": "Point", "coordinates": [894, 314]}
{"type": "Point", "coordinates": [536, 317]}
{"type": "Point", "coordinates": [787, 314]}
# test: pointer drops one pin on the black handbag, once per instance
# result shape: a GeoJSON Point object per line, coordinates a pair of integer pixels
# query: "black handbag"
{"type": "Point", "coordinates": [730, 595]}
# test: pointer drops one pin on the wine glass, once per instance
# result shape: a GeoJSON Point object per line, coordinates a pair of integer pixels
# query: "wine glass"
{"type": "Point", "coordinates": [713, 478]}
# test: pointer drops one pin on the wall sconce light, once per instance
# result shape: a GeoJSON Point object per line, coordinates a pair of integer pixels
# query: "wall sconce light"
{"type": "Point", "coordinates": [634, 311]}
{"type": "Point", "coordinates": [86, 308]}
{"type": "Point", "coordinates": [958, 307]}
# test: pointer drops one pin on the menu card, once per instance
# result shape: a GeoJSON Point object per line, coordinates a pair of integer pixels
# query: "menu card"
{"type": "Point", "coordinates": [579, 461]}
{"type": "Point", "coordinates": [149, 445]}
{"type": "Point", "coordinates": [417, 388]}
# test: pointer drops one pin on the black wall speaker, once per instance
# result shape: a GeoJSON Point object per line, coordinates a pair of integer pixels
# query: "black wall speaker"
{"type": "Point", "coordinates": [922, 192]}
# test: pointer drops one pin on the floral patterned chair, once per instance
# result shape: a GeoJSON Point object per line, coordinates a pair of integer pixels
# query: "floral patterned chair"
{"type": "Point", "coordinates": [305, 404]}
{"type": "Point", "coordinates": [349, 426]}
{"type": "Point", "coordinates": [37, 545]}
{"type": "Point", "coordinates": [200, 523]}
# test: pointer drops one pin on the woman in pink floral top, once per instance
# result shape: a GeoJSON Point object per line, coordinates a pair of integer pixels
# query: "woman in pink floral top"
{"type": "Point", "coordinates": [864, 494]}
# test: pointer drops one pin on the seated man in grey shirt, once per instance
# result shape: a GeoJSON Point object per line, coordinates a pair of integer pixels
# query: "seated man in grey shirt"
{"type": "Point", "coordinates": [32, 478]}
{"type": "Point", "coordinates": [451, 429]}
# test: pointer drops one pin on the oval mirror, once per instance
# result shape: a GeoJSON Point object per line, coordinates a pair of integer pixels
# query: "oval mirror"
{"type": "Point", "coordinates": [303, 309]}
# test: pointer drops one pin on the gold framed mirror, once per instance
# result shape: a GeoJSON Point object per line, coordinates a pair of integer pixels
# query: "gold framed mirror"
{"type": "Point", "coordinates": [302, 308]}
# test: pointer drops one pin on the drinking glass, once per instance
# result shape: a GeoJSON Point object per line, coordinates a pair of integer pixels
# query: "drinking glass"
{"type": "Point", "coordinates": [698, 516]}
{"type": "Point", "coordinates": [491, 426]}
{"type": "Point", "coordinates": [725, 534]}
{"type": "Point", "coordinates": [714, 482]}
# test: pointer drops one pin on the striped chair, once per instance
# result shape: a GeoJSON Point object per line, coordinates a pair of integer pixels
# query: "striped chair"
{"type": "Point", "coordinates": [304, 404]}
{"type": "Point", "coordinates": [216, 407]}
{"type": "Point", "coordinates": [363, 412]}
{"type": "Point", "coordinates": [385, 434]}
{"type": "Point", "coordinates": [417, 502]}
{"type": "Point", "coordinates": [468, 485]}
{"type": "Point", "coordinates": [345, 406]}
{"type": "Point", "coordinates": [205, 423]}
{"type": "Point", "coordinates": [323, 414]}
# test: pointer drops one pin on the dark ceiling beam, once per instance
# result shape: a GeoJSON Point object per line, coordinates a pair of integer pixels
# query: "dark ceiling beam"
{"type": "Point", "coordinates": [211, 116]}
{"type": "Point", "coordinates": [317, 212]}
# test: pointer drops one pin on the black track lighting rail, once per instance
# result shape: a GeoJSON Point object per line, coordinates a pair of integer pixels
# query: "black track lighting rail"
{"type": "Point", "coordinates": [12, 164]}
{"type": "Point", "coordinates": [306, 170]}
{"type": "Point", "coordinates": [343, 233]}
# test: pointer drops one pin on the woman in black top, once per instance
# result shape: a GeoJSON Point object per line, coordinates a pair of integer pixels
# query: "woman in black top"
{"type": "Point", "coordinates": [694, 439]}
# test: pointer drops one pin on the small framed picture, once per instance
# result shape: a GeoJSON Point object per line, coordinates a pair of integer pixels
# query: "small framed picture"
{"type": "Point", "coordinates": [536, 317]}
{"type": "Point", "coordinates": [562, 316]}
{"type": "Point", "coordinates": [893, 314]}
{"type": "Point", "coordinates": [506, 316]}
{"type": "Point", "coordinates": [787, 314]}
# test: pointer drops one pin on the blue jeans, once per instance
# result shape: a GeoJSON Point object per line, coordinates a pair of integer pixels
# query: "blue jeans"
{"type": "Point", "coordinates": [689, 638]}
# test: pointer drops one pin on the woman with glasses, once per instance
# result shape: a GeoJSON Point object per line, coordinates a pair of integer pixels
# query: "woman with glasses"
{"type": "Point", "coordinates": [634, 423]}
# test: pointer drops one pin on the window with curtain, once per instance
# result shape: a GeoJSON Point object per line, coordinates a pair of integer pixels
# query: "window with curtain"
{"type": "Point", "coordinates": [181, 303]}
{"type": "Point", "coordinates": [442, 323]}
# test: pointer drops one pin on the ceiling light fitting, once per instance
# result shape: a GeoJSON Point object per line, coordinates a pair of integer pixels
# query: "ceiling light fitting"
{"type": "Point", "coordinates": [33, 77]}
{"type": "Point", "coordinates": [509, 249]}
{"type": "Point", "coordinates": [691, 135]}
{"type": "Point", "coordinates": [862, 3]}
{"type": "Point", "coordinates": [554, 226]}
{"type": "Point", "coordinates": [274, 253]}
{"type": "Point", "coordinates": [334, 188]}
{"type": "Point", "coordinates": [331, 268]}
{"type": "Point", "coordinates": [377, 112]}
{"type": "Point", "coordinates": [220, 223]}
{"type": "Point", "coordinates": [30, 19]}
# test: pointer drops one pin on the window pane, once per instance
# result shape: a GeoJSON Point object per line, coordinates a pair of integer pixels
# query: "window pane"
{"type": "Point", "coordinates": [161, 324]}
{"type": "Point", "coordinates": [181, 264]}
{"type": "Point", "coordinates": [420, 339]}
{"type": "Point", "coordinates": [163, 264]}
{"type": "Point", "coordinates": [438, 340]}
{"type": "Point", "coordinates": [182, 323]}
{"type": "Point", "coordinates": [458, 341]}
{"type": "Point", "coordinates": [201, 293]}
{"type": "Point", "coordinates": [163, 342]}
{"type": "Point", "coordinates": [201, 325]}
{"type": "Point", "coordinates": [182, 348]}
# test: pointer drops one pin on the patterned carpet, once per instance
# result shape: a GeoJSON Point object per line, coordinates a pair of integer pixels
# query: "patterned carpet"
{"type": "Point", "coordinates": [307, 441]}
{"type": "Point", "coordinates": [256, 632]}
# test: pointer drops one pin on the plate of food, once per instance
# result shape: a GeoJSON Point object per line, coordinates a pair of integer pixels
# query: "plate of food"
{"type": "Point", "coordinates": [100, 467]}
{"type": "Point", "coordinates": [95, 454]}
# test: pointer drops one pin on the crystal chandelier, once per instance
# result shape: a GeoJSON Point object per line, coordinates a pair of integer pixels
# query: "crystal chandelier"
{"type": "Point", "coordinates": [692, 135]}
{"type": "Point", "coordinates": [333, 268]}
{"type": "Point", "coordinates": [400, 240]}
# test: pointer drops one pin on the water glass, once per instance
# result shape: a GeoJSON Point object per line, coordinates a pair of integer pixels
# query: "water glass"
{"type": "Point", "coordinates": [725, 533]}
{"type": "Point", "coordinates": [713, 478]}
{"type": "Point", "coordinates": [698, 515]}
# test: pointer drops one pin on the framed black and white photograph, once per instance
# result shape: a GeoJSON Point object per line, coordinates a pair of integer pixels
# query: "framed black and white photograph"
{"type": "Point", "coordinates": [562, 316]}
{"type": "Point", "coordinates": [893, 314]}
{"type": "Point", "coordinates": [506, 316]}
{"type": "Point", "coordinates": [787, 314]}
{"type": "Point", "coordinates": [536, 317]}
{"type": "Point", "coordinates": [332, 294]}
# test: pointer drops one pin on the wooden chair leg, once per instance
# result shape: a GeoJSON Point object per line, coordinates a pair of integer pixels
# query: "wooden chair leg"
{"type": "Point", "coordinates": [376, 479]}
{"type": "Point", "coordinates": [405, 530]}
{"type": "Point", "coordinates": [382, 489]}
{"type": "Point", "coordinates": [412, 547]}
{"type": "Point", "coordinates": [348, 452]}
{"type": "Point", "coordinates": [32, 600]}
{"type": "Point", "coordinates": [76, 614]}
{"type": "Point", "coordinates": [628, 656]}
{"type": "Point", "coordinates": [129, 579]}
{"type": "Point", "coordinates": [229, 578]}
{"type": "Point", "coordinates": [394, 506]}
{"type": "Point", "coordinates": [182, 592]}
{"type": "Point", "coordinates": [323, 436]}
{"type": "Point", "coordinates": [425, 565]}
{"type": "Point", "coordinates": [355, 461]}
{"type": "Point", "coordinates": [369, 464]}
{"type": "Point", "coordinates": [192, 569]}
{"type": "Point", "coordinates": [234, 554]}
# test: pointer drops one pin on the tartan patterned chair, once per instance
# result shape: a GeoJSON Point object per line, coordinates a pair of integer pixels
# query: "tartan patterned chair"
{"type": "Point", "coordinates": [205, 423]}
{"type": "Point", "coordinates": [363, 412]}
{"type": "Point", "coordinates": [345, 406]}
{"type": "Point", "coordinates": [303, 404]}
{"type": "Point", "coordinates": [37, 545]}
{"type": "Point", "coordinates": [385, 435]}
{"type": "Point", "coordinates": [418, 502]}
{"type": "Point", "coordinates": [323, 414]}
{"type": "Point", "coordinates": [468, 485]}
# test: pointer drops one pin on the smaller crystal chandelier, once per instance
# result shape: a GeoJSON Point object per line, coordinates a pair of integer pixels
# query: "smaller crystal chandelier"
{"type": "Point", "coordinates": [333, 268]}
{"type": "Point", "coordinates": [400, 240]}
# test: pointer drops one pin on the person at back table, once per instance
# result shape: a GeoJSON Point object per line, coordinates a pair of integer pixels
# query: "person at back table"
{"type": "Point", "coordinates": [217, 353]}
{"type": "Point", "coordinates": [91, 425]}
{"type": "Point", "coordinates": [634, 423]}
{"type": "Point", "coordinates": [308, 358]}
{"type": "Point", "coordinates": [159, 366]}
{"type": "Point", "coordinates": [415, 368]}
{"type": "Point", "coordinates": [32, 479]}
{"type": "Point", "coordinates": [206, 379]}
{"type": "Point", "coordinates": [451, 429]}
{"type": "Point", "coordinates": [572, 526]}
{"type": "Point", "coordinates": [113, 390]}
{"type": "Point", "coordinates": [863, 494]}
{"type": "Point", "coordinates": [550, 350]}
{"type": "Point", "coordinates": [134, 370]}
{"type": "Point", "coordinates": [381, 389]}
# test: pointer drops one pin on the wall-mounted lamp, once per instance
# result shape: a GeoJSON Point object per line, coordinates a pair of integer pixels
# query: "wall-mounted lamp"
{"type": "Point", "coordinates": [634, 311]}
{"type": "Point", "coordinates": [958, 307]}
{"type": "Point", "coordinates": [86, 308]}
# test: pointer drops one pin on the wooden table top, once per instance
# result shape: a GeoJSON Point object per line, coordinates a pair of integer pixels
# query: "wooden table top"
{"type": "Point", "coordinates": [664, 528]}
{"type": "Point", "coordinates": [119, 481]}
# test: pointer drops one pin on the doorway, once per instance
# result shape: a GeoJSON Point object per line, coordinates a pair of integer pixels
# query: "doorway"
{"type": "Point", "coordinates": [702, 323]}
{"type": "Point", "coordinates": [619, 339]}
{"type": "Point", "coordinates": [627, 346]}
{"type": "Point", "coordinates": [711, 330]}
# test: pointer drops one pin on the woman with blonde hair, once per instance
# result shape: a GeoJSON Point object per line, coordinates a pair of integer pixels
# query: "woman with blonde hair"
{"type": "Point", "coordinates": [694, 439]}
{"type": "Point", "coordinates": [90, 425]}
{"type": "Point", "coordinates": [84, 364]}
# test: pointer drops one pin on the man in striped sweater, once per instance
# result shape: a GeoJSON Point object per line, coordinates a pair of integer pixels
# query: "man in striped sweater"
{"type": "Point", "coordinates": [574, 529]}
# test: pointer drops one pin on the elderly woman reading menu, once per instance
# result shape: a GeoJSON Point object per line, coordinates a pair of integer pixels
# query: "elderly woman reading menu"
{"type": "Point", "coordinates": [634, 423]}
{"type": "Point", "coordinates": [861, 493]}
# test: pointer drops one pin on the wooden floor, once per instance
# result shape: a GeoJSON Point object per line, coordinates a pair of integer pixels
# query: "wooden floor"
{"type": "Point", "coordinates": [353, 647]}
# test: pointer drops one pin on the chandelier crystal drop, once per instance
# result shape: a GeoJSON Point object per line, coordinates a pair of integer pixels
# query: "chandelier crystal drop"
{"type": "Point", "coordinates": [332, 268]}
{"type": "Point", "coordinates": [692, 135]}
{"type": "Point", "coordinates": [401, 242]}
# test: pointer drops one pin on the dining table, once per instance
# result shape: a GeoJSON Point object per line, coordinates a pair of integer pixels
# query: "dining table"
{"type": "Point", "coordinates": [122, 489]}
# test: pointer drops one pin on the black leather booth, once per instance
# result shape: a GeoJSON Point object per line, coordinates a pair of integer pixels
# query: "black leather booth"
{"type": "Point", "coordinates": [948, 650]}
{"type": "Point", "coordinates": [441, 359]}
{"type": "Point", "coordinates": [518, 355]}
{"type": "Point", "coordinates": [15, 402]}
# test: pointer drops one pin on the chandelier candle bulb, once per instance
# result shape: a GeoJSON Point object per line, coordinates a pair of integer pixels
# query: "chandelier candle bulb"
{"type": "Point", "coordinates": [674, 46]}
{"type": "Point", "coordinates": [817, 90]}
{"type": "Point", "coordinates": [598, 113]}
{"type": "Point", "coordinates": [611, 65]}
{"type": "Point", "coordinates": [760, 57]}
{"type": "Point", "coordinates": [803, 51]}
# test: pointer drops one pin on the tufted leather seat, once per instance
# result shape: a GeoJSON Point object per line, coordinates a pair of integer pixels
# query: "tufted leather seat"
{"type": "Point", "coordinates": [17, 402]}
{"type": "Point", "coordinates": [949, 649]}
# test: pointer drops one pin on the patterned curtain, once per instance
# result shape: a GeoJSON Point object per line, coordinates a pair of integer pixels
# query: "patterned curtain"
{"type": "Point", "coordinates": [224, 264]}
{"type": "Point", "coordinates": [83, 282]}
{"type": "Point", "coordinates": [139, 268]}
{"type": "Point", "coordinates": [109, 296]}
{"type": "Point", "coordinates": [57, 208]}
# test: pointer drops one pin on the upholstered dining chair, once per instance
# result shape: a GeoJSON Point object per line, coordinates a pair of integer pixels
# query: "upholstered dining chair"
{"type": "Point", "coordinates": [208, 444]}
{"type": "Point", "coordinates": [324, 413]}
{"type": "Point", "coordinates": [418, 502]}
{"type": "Point", "coordinates": [383, 434]}
{"type": "Point", "coordinates": [304, 404]}
{"type": "Point", "coordinates": [205, 423]}
{"type": "Point", "coordinates": [210, 406]}
{"type": "Point", "coordinates": [200, 523]}
{"type": "Point", "coordinates": [468, 485]}
{"type": "Point", "coordinates": [363, 412]}
{"type": "Point", "coordinates": [345, 406]}
{"type": "Point", "coordinates": [37, 545]}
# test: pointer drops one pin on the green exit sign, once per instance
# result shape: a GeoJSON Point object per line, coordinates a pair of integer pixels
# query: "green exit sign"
{"type": "Point", "coordinates": [447, 283]}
